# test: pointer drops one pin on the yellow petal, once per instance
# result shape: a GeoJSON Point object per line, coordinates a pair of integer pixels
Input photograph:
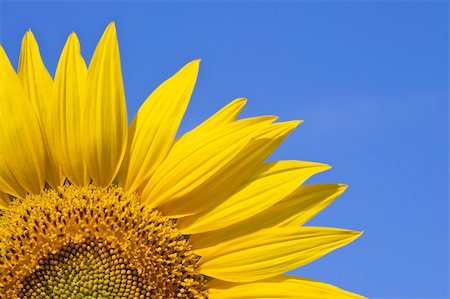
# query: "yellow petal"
{"type": "Point", "coordinates": [154, 127]}
{"type": "Point", "coordinates": [69, 96]}
{"type": "Point", "coordinates": [197, 160]}
{"type": "Point", "coordinates": [280, 287]}
{"type": "Point", "coordinates": [4, 201]}
{"type": "Point", "coordinates": [8, 182]}
{"type": "Point", "coordinates": [105, 132]}
{"type": "Point", "coordinates": [305, 203]}
{"type": "Point", "coordinates": [243, 166]}
{"type": "Point", "coordinates": [37, 84]}
{"type": "Point", "coordinates": [21, 142]}
{"type": "Point", "coordinates": [274, 181]}
{"type": "Point", "coordinates": [293, 210]}
{"type": "Point", "coordinates": [271, 252]}
{"type": "Point", "coordinates": [35, 79]}
{"type": "Point", "coordinates": [224, 116]}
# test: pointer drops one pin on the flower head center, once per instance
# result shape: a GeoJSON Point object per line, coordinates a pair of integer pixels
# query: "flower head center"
{"type": "Point", "coordinates": [91, 242]}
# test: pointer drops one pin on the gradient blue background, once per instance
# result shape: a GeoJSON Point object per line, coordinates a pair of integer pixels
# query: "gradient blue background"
{"type": "Point", "coordinates": [370, 79]}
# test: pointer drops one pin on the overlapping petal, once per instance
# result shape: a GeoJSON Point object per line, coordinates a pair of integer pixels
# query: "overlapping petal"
{"type": "Point", "coordinates": [271, 252]}
{"type": "Point", "coordinates": [154, 127]}
{"type": "Point", "coordinates": [246, 164]}
{"type": "Point", "coordinates": [8, 182]}
{"type": "Point", "coordinates": [70, 98]}
{"type": "Point", "coordinates": [37, 84]}
{"type": "Point", "coordinates": [105, 131]}
{"type": "Point", "coordinates": [305, 203]}
{"type": "Point", "coordinates": [226, 115]}
{"type": "Point", "coordinates": [21, 142]}
{"type": "Point", "coordinates": [280, 287]}
{"type": "Point", "coordinates": [293, 210]}
{"type": "Point", "coordinates": [273, 182]}
{"type": "Point", "coordinates": [197, 160]}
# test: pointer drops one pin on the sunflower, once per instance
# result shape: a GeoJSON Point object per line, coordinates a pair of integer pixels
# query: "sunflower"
{"type": "Point", "coordinates": [92, 207]}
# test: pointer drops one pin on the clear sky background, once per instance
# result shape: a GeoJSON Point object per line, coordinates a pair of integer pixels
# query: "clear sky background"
{"type": "Point", "coordinates": [369, 78]}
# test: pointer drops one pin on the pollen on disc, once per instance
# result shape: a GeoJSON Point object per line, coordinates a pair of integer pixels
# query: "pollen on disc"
{"type": "Point", "coordinates": [90, 242]}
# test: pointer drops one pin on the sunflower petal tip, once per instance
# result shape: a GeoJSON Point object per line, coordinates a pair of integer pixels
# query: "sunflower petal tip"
{"type": "Point", "coordinates": [111, 27]}
{"type": "Point", "coordinates": [354, 234]}
{"type": "Point", "coordinates": [318, 167]}
{"type": "Point", "coordinates": [291, 125]}
{"type": "Point", "coordinates": [28, 39]}
{"type": "Point", "coordinates": [342, 187]}
{"type": "Point", "coordinates": [194, 63]}
{"type": "Point", "coordinates": [323, 166]}
{"type": "Point", "coordinates": [72, 42]}
{"type": "Point", "coordinates": [239, 102]}
{"type": "Point", "coordinates": [110, 34]}
{"type": "Point", "coordinates": [296, 123]}
{"type": "Point", "coordinates": [191, 68]}
{"type": "Point", "coordinates": [72, 36]}
{"type": "Point", "coordinates": [28, 34]}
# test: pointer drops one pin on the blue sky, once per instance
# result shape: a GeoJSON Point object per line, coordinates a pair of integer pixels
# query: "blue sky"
{"type": "Point", "coordinates": [369, 78]}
